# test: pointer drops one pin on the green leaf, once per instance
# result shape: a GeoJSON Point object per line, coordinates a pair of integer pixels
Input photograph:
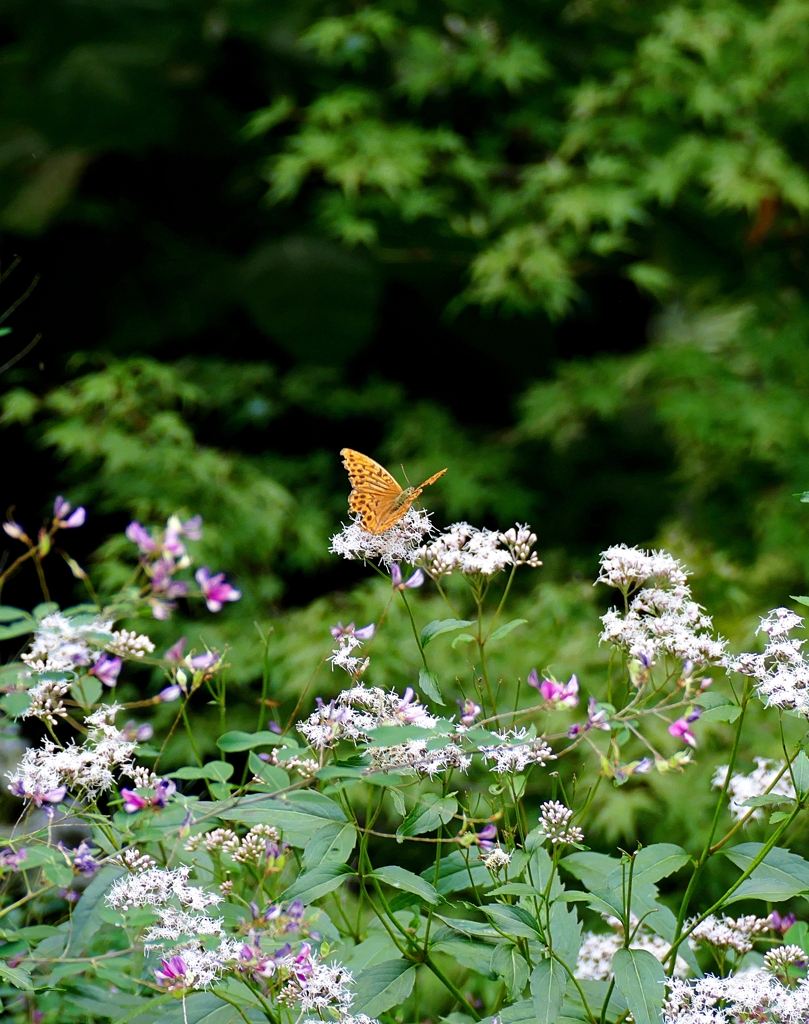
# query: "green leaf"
{"type": "Point", "coordinates": [84, 924]}
{"type": "Point", "coordinates": [463, 638]}
{"type": "Point", "coordinates": [711, 699]}
{"type": "Point", "coordinates": [439, 626]}
{"type": "Point", "coordinates": [269, 774]}
{"type": "Point", "coordinates": [766, 800]}
{"type": "Point", "coordinates": [18, 628]}
{"type": "Point", "coordinates": [798, 935]}
{"type": "Point", "coordinates": [207, 1008]}
{"type": "Point", "coordinates": [465, 952]}
{"type": "Point", "coordinates": [311, 885]}
{"type": "Point", "coordinates": [11, 614]}
{"type": "Point", "coordinates": [45, 608]}
{"type": "Point", "coordinates": [430, 812]}
{"type": "Point", "coordinates": [548, 983]}
{"type": "Point", "coordinates": [640, 978]}
{"type": "Point", "coordinates": [505, 629]}
{"type": "Point", "coordinates": [393, 735]}
{"type": "Point", "coordinates": [428, 683]}
{"type": "Point", "coordinates": [780, 876]}
{"type": "Point", "coordinates": [218, 771]}
{"type": "Point", "coordinates": [298, 814]}
{"type": "Point", "coordinates": [401, 878]}
{"type": "Point", "coordinates": [16, 976]}
{"type": "Point", "coordinates": [726, 713]}
{"type": "Point", "coordinates": [455, 874]}
{"type": "Point", "coordinates": [513, 920]}
{"type": "Point", "coordinates": [651, 864]}
{"type": "Point", "coordinates": [231, 742]}
{"type": "Point", "coordinates": [509, 964]}
{"type": "Point", "coordinates": [14, 704]}
{"type": "Point", "coordinates": [800, 772]}
{"type": "Point", "coordinates": [331, 844]}
{"type": "Point", "coordinates": [801, 600]}
{"type": "Point", "coordinates": [382, 986]}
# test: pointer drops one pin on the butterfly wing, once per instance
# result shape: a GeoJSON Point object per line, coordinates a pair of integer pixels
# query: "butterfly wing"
{"type": "Point", "coordinates": [373, 492]}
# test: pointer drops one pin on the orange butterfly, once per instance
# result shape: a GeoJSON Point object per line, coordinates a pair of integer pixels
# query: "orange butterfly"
{"type": "Point", "coordinates": [375, 494]}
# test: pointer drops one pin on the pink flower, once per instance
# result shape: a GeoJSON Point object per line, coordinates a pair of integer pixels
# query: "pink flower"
{"type": "Point", "coordinates": [138, 535]}
{"type": "Point", "coordinates": [66, 521]}
{"type": "Point", "coordinates": [169, 694]}
{"type": "Point", "coordinates": [556, 693]}
{"type": "Point", "coordinates": [682, 729]}
{"type": "Point", "coordinates": [175, 652]}
{"type": "Point", "coordinates": [469, 711]}
{"type": "Point", "coordinates": [106, 669]}
{"type": "Point", "coordinates": [215, 590]}
{"type": "Point", "coordinates": [171, 970]}
{"type": "Point", "coordinates": [133, 802]}
{"type": "Point", "coordinates": [396, 579]}
{"type": "Point", "coordinates": [364, 633]}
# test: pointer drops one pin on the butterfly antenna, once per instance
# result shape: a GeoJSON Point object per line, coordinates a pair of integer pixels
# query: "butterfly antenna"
{"type": "Point", "coordinates": [404, 473]}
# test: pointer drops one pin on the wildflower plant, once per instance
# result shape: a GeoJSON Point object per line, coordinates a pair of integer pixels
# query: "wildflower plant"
{"type": "Point", "coordinates": [385, 855]}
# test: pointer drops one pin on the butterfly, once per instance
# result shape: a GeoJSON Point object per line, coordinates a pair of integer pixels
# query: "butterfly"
{"type": "Point", "coordinates": [375, 494]}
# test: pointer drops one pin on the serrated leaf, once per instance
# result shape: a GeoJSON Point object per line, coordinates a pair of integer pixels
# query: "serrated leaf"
{"type": "Point", "coordinates": [726, 713]}
{"type": "Point", "coordinates": [219, 771]}
{"type": "Point", "coordinates": [394, 735]}
{"type": "Point", "coordinates": [456, 873]}
{"type": "Point", "coordinates": [548, 983]}
{"type": "Point", "coordinates": [382, 986]}
{"type": "Point", "coordinates": [439, 626]}
{"type": "Point", "coordinates": [641, 979]}
{"type": "Point", "coordinates": [509, 964]}
{"type": "Point", "coordinates": [16, 976]}
{"type": "Point", "coordinates": [428, 683]}
{"type": "Point", "coordinates": [463, 638]}
{"type": "Point", "coordinates": [505, 629]}
{"type": "Point", "coordinates": [780, 876]}
{"type": "Point", "coordinates": [651, 864]}
{"type": "Point", "coordinates": [430, 812]}
{"type": "Point", "coordinates": [401, 878]}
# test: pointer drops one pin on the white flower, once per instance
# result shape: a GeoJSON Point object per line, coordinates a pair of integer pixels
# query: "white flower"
{"type": "Point", "coordinates": [398, 544]}
{"type": "Point", "coordinates": [358, 710]}
{"type": "Point", "coordinates": [343, 657]}
{"type": "Point", "coordinates": [496, 861]}
{"type": "Point", "coordinates": [598, 948]}
{"type": "Point", "coordinates": [663, 619]}
{"type": "Point", "coordinates": [730, 933]}
{"type": "Point", "coordinates": [756, 783]}
{"type": "Point", "coordinates": [517, 751]}
{"type": "Point", "coordinates": [777, 960]}
{"type": "Point", "coordinates": [468, 550]}
{"type": "Point", "coordinates": [626, 568]}
{"type": "Point", "coordinates": [782, 672]}
{"type": "Point", "coordinates": [414, 756]}
{"type": "Point", "coordinates": [130, 644]}
{"type": "Point", "coordinates": [554, 822]}
{"type": "Point", "coordinates": [59, 645]}
{"type": "Point", "coordinates": [753, 995]}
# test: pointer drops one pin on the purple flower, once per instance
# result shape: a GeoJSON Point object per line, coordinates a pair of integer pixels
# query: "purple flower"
{"type": "Point", "coordinates": [556, 693]}
{"type": "Point", "coordinates": [162, 581]}
{"type": "Point", "coordinates": [14, 530]}
{"type": "Point", "coordinates": [781, 924]}
{"type": "Point", "coordinates": [10, 859]}
{"type": "Point", "coordinates": [396, 579]}
{"type": "Point", "coordinates": [596, 716]}
{"type": "Point", "coordinates": [61, 508]}
{"type": "Point", "coordinates": [163, 792]}
{"type": "Point", "coordinates": [175, 529]}
{"type": "Point", "coordinates": [275, 727]}
{"type": "Point", "coordinates": [133, 802]}
{"type": "Point", "coordinates": [83, 859]}
{"type": "Point", "coordinates": [175, 652]}
{"type": "Point", "coordinates": [365, 633]}
{"type": "Point", "coordinates": [644, 766]}
{"type": "Point", "coordinates": [106, 669]}
{"type": "Point", "coordinates": [469, 711]}
{"type": "Point", "coordinates": [681, 728]}
{"type": "Point", "coordinates": [215, 590]}
{"type": "Point", "coordinates": [169, 694]}
{"type": "Point", "coordinates": [51, 796]}
{"type": "Point", "coordinates": [202, 661]}
{"type": "Point", "coordinates": [171, 970]}
{"type": "Point", "coordinates": [486, 838]}
{"type": "Point", "coordinates": [140, 536]}
{"type": "Point", "coordinates": [137, 733]}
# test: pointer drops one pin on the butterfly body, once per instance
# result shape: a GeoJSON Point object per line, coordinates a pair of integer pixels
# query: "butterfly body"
{"type": "Point", "coordinates": [376, 495]}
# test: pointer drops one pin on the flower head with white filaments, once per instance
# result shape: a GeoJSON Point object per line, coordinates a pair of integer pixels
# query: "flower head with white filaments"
{"type": "Point", "coordinates": [398, 544]}
{"type": "Point", "coordinates": [768, 777]}
{"type": "Point", "coordinates": [781, 672]}
{"type": "Point", "coordinates": [756, 994]}
{"type": "Point", "coordinates": [554, 824]}
{"type": "Point", "coordinates": [478, 552]}
{"type": "Point", "coordinates": [662, 619]}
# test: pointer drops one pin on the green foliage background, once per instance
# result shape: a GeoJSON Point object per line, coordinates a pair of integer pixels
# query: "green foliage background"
{"type": "Point", "coordinates": [558, 247]}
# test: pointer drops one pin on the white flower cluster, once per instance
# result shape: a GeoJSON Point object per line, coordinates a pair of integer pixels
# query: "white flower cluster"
{"type": "Point", "coordinates": [517, 751]}
{"type": "Point", "coordinates": [782, 672]}
{"type": "Point", "coordinates": [496, 861]}
{"type": "Point", "coordinates": [46, 700]}
{"type": "Point", "coordinates": [598, 949]}
{"type": "Point", "coordinates": [662, 619]}
{"type": "Point", "coordinates": [626, 568]}
{"type": "Point", "coordinates": [319, 987]}
{"type": "Point", "coordinates": [358, 710]}
{"type": "Point", "coordinates": [415, 756]}
{"type": "Point", "coordinates": [554, 823]}
{"type": "Point", "coordinates": [398, 544]}
{"type": "Point", "coordinates": [224, 839]}
{"type": "Point", "coordinates": [306, 767]}
{"type": "Point", "coordinates": [756, 783]}
{"type": "Point", "coordinates": [130, 644]}
{"type": "Point", "coordinates": [730, 933]}
{"type": "Point", "coordinates": [158, 888]}
{"type": "Point", "coordinates": [468, 550]}
{"type": "Point", "coordinates": [87, 769]}
{"type": "Point", "coordinates": [204, 966]}
{"type": "Point", "coordinates": [779, 959]}
{"type": "Point", "coordinates": [751, 996]}
{"type": "Point", "coordinates": [59, 645]}
{"type": "Point", "coordinates": [343, 655]}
